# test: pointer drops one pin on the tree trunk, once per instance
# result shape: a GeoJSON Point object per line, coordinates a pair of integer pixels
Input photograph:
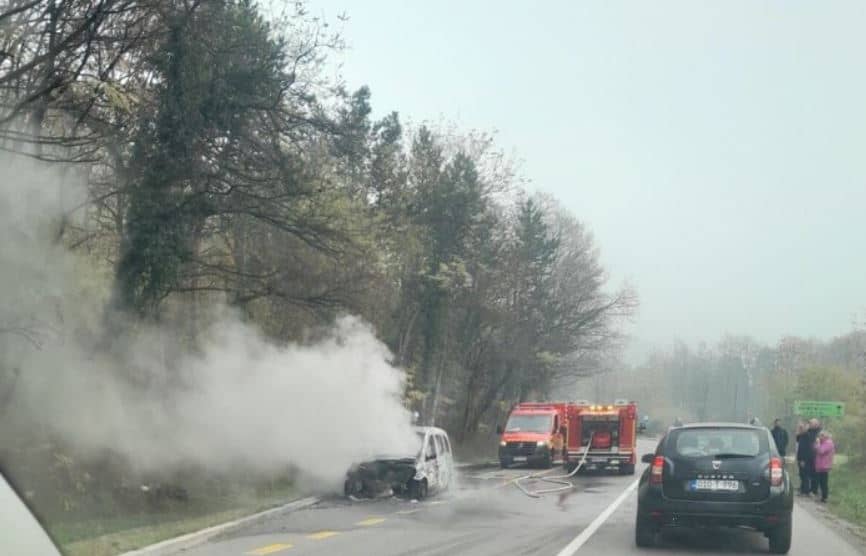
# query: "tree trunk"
{"type": "Point", "coordinates": [406, 338]}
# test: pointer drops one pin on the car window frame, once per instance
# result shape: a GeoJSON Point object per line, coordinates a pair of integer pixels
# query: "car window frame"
{"type": "Point", "coordinates": [447, 442]}
{"type": "Point", "coordinates": [440, 444]}
{"type": "Point", "coordinates": [430, 446]}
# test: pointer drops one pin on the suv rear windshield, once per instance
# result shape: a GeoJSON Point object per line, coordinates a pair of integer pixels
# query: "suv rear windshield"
{"type": "Point", "coordinates": [697, 443]}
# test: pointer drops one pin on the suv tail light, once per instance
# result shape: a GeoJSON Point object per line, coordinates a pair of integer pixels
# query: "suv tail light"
{"type": "Point", "coordinates": [775, 472]}
{"type": "Point", "coordinates": [656, 471]}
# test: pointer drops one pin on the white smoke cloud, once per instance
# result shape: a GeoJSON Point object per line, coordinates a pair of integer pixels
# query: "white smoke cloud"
{"type": "Point", "coordinates": [243, 402]}
{"type": "Point", "coordinates": [238, 400]}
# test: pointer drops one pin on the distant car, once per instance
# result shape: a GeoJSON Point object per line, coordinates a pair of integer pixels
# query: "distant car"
{"type": "Point", "coordinates": [716, 475]}
{"type": "Point", "coordinates": [430, 469]}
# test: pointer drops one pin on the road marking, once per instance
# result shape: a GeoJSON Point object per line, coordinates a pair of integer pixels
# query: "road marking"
{"type": "Point", "coordinates": [270, 549]}
{"type": "Point", "coordinates": [584, 535]}
{"type": "Point", "coordinates": [371, 521]}
{"type": "Point", "coordinates": [322, 535]}
{"type": "Point", "coordinates": [407, 512]}
{"type": "Point", "coordinates": [435, 502]}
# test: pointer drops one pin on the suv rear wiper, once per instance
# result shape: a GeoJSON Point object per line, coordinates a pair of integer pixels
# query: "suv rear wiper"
{"type": "Point", "coordinates": [733, 455]}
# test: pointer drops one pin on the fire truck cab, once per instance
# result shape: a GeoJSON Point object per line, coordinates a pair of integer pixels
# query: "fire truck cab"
{"type": "Point", "coordinates": [612, 431]}
{"type": "Point", "coordinates": [533, 434]}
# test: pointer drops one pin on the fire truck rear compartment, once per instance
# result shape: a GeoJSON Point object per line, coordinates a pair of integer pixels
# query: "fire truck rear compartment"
{"type": "Point", "coordinates": [603, 431]}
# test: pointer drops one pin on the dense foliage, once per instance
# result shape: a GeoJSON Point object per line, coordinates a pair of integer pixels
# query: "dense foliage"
{"type": "Point", "coordinates": [222, 167]}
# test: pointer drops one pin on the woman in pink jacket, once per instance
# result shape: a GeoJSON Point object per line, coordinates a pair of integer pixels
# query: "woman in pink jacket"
{"type": "Point", "coordinates": [824, 450]}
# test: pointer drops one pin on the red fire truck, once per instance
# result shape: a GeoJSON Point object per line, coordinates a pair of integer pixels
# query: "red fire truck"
{"type": "Point", "coordinates": [612, 430]}
{"type": "Point", "coordinates": [533, 434]}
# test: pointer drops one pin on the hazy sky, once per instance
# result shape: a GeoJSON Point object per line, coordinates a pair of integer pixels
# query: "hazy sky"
{"type": "Point", "coordinates": [716, 149]}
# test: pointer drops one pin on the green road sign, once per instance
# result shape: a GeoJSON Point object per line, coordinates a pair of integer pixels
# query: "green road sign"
{"type": "Point", "coordinates": [819, 409]}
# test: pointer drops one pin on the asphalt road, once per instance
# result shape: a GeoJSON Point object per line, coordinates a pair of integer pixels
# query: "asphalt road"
{"type": "Point", "coordinates": [487, 514]}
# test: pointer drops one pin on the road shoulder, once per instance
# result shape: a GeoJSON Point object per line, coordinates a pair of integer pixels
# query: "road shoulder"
{"type": "Point", "coordinates": [853, 534]}
{"type": "Point", "coordinates": [183, 542]}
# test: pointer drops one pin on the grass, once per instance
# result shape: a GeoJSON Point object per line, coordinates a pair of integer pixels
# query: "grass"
{"type": "Point", "coordinates": [107, 536]}
{"type": "Point", "coordinates": [848, 492]}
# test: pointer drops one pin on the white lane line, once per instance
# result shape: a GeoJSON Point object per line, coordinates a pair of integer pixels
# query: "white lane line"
{"type": "Point", "coordinates": [584, 535]}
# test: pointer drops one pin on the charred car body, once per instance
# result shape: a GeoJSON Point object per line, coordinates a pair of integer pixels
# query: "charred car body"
{"type": "Point", "coordinates": [430, 469]}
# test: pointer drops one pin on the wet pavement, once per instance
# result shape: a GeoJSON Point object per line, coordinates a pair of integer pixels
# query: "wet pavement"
{"type": "Point", "coordinates": [485, 513]}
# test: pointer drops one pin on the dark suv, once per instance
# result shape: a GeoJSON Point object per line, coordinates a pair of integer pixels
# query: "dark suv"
{"type": "Point", "coordinates": [716, 475]}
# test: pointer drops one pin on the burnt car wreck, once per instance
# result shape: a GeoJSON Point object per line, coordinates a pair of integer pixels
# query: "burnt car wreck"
{"type": "Point", "coordinates": [381, 477]}
{"type": "Point", "coordinates": [429, 470]}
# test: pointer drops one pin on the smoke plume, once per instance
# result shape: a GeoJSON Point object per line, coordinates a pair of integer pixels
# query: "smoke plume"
{"type": "Point", "coordinates": [238, 399]}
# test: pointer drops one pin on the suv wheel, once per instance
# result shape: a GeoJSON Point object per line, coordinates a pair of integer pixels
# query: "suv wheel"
{"type": "Point", "coordinates": [780, 539]}
{"type": "Point", "coordinates": [644, 533]}
{"type": "Point", "coordinates": [626, 469]}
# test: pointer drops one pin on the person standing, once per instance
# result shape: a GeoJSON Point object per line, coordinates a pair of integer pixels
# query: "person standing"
{"type": "Point", "coordinates": [804, 453]}
{"type": "Point", "coordinates": [812, 434]}
{"type": "Point", "coordinates": [780, 436]}
{"type": "Point", "coordinates": [824, 452]}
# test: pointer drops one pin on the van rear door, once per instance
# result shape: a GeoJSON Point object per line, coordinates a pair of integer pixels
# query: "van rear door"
{"type": "Point", "coordinates": [443, 460]}
{"type": "Point", "coordinates": [431, 462]}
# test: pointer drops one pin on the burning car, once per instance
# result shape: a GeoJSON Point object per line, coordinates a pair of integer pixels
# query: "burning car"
{"type": "Point", "coordinates": [431, 469]}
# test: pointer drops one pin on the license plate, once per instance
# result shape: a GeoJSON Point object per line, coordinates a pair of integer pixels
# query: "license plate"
{"type": "Point", "coordinates": [713, 485]}
{"type": "Point", "coordinates": [519, 458]}
{"type": "Point", "coordinates": [598, 460]}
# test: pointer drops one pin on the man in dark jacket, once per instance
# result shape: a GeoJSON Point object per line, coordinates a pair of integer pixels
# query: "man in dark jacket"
{"type": "Point", "coordinates": [780, 436]}
{"type": "Point", "coordinates": [806, 436]}
{"type": "Point", "coordinates": [814, 431]}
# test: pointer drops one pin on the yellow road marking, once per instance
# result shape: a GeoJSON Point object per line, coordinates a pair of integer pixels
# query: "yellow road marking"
{"type": "Point", "coordinates": [270, 549]}
{"type": "Point", "coordinates": [322, 535]}
{"type": "Point", "coordinates": [371, 521]}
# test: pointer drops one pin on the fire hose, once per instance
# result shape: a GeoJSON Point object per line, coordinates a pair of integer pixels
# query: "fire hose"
{"type": "Point", "coordinates": [560, 480]}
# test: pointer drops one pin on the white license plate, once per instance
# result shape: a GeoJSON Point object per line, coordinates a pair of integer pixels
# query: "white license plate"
{"type": "Point", "coordinates": [519, 458]}
{"type": "Point", "coordinates": [714, 485]}
{"type": "Point", "coordinates": [598, 460]}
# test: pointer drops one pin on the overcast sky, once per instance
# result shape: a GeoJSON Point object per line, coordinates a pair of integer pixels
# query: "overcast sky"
{"type": "Point", "coordinates": [716, 149]}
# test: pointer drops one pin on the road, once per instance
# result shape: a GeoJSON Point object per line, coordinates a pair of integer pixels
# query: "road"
{"type": "Point", "coordinates": [487, 514]}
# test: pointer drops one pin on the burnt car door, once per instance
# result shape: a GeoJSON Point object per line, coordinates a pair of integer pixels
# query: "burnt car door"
{"type": "Point", "coordinates": [443, 460]}
{"type": "Point", "coordinates": [430, 462]}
